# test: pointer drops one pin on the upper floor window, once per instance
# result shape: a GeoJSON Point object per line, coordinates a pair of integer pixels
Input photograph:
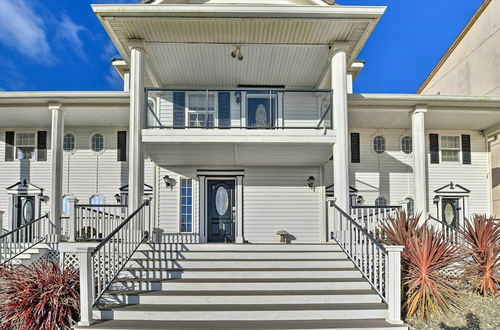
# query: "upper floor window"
{"type": "Point", "coordinates": [379, 144]}
{"type": "Point", "coordinates": [97, 142]}
{"type": "Point", "coordinates": [450, 148]}
{"type": "Point", "coordinates": [407, 145]}
{"type": "Point", "coordinates": [69, 142]}
{"type": "Point", "coordinates": [198, 110]}
{"type": "Point", "coordinates": [25, 145]}
{"type": "Point", "coordinates": [380, 201]}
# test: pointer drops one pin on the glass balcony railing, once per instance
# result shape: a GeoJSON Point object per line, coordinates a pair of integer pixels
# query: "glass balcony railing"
{"type": "Point", "coordinates": [253, 108]}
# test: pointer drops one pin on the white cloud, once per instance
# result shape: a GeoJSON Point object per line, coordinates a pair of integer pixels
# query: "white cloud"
{"type": "Point", "coordinates": [109, 51]}
{"type": "Point", "coordinates": [113, 79]}
{"type": "Point", "coordinates": [69, 32]}
{"type": "Point", "coordinates": [23, 30]}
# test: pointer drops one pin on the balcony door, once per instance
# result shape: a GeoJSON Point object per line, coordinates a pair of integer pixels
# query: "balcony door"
{"type": "Point", "coordinates": [261, 110]}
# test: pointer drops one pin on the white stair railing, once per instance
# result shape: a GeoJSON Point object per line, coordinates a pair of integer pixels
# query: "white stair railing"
{"type": "Point", "coordinates": [100, 266]}
{"type": "Point", "coordinates": [379, 264]}
{"type": "Point", "coordinates": [17, 241]}
{"type": "Point", "coordinates": [370, 217]}
{"type": "Point", "coordinates": [454, 235]}
{"type": "Point", "coordinates": [90, 222]}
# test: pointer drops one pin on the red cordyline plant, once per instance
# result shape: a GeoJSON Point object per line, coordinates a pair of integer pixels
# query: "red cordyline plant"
{"type": "Point", "coordinates": [39, 297]}
{"type": "Point", "coordinates": [482, 269]}
{"type": "Point", "coordinates": [427, 286]}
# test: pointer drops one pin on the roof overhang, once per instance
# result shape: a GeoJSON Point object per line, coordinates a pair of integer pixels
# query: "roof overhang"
{"type": "Point", "coordinates": [190, 45]}
{"type": "Point", "coordinates": [393, 111]}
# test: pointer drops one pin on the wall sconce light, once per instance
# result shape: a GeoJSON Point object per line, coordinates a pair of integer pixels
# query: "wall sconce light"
{"type": "Point", "coordinates": [44, 198]}
{"type": "Point", "coordinates": [169, 182]}
{"type": "Point", "coordinates": [360, 200]}
{"type": "Point", "coordinates": [118, 198]}
{"type": "Point", "coordinates": [436, 199]}
{"type": "Point", "coordinates": [310, 182]}
{"type": "Point", "coordinates": [237, 53]}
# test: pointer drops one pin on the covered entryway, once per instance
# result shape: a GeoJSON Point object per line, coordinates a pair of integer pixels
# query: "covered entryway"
{"type": "Point", "coordinates": [221, 210]}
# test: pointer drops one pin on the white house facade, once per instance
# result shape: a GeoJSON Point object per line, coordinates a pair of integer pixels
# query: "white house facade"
{"type": "Point", "coordinates": [237, 130]}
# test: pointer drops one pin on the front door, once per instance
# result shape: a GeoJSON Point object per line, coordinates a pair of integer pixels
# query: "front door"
{"type": "Point", "coordinates": [451, 211]}
{"type": "Point", "coordinates": [221, 210]}
{"type": "Point", "coordinates": [25, 214]}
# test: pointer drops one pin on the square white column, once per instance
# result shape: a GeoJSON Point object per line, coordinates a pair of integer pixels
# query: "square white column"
{"type": "Point", "coordinates": [56, 168]}
{"type": "Point", "coordinates": [419, 160]}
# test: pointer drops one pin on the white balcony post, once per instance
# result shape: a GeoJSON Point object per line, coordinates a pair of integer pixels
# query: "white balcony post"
{"type": "Point", "coordinates": [137, 114]}
{"type": "Point", "coordinates": [393, 284]}
{"type": "Point", "coordinates": [72, 219]}
{"type": "Point", "coordinates": [340, 123]}
{"type": "Point", "coordinates": [56, 164]}
{"type": "Point", "coordinates": [419, 160]}
{"type": "Point", "coordinates": [86, 286]}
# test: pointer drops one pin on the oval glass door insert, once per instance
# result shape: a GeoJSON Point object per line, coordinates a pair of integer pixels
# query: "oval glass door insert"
{"type": "Point", "coordinates": [221, 200]}
{"type": "Point", "coordinates": [28, 211]}
{"type": "Point", "coordinates": [261, 116]}
{"type": "Point", "coordinates": [449, 214]}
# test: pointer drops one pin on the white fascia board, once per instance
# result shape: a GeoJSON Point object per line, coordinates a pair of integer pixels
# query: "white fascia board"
{"type": "Point", "coordinates": [223, 11]}
{"type": "Point", "coordinates": [20, 97]}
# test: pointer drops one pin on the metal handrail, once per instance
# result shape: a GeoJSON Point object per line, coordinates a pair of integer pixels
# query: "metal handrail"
{"type": "Point", "coordinates": [113, 252]}
{"type": "Point", "coordinates": [376, 207]}
{"type": "Point", "coordinates": [457, 234]}
{"type": "Point", "coordinates": [23, 226]}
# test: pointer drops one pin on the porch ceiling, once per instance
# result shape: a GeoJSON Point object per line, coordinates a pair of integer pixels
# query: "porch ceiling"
{"type": "Point", "coordinates": [190, 45]}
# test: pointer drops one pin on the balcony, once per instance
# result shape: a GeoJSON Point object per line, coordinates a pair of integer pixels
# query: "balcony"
{"type": "Point", "coordinates": [241, 126]}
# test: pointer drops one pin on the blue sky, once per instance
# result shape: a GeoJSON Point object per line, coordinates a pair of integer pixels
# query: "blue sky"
{"type": "Point", "coordinates": [60, 45]}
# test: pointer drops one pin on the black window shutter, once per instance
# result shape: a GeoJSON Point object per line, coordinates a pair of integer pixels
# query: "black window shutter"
{"type": "Point", "coordinates": [179, 109]}
{"type": "Point", "coordinates": [355, 152]}
{"type": "Point", "coordinates": [434, 148]}
{"type": "Point", "coordinates": [224, 109]}
{"type": "Point", "coordinates": [9, 146]}
{"type": "Point", "coordinates": [466, 157]}
{"type": "Point", "coordinates": [41, 146]}
{"type": "Point", "coordinates": [121, 146]}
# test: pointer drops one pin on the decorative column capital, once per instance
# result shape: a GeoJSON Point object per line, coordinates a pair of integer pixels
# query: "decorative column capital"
{"type": "Point", "coordinates": [136, 44]}
{"type": "Point", "coordinates": [419, 108]}
{"type": "Point", "coordinates": [54, 106]}
{"type": "Point", "coordinates": [338, 46]}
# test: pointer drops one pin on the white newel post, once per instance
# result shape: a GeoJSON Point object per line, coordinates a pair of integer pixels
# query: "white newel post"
{"type": "Point", "coordinates": [56, 164]}
{"type": "Point", "coordinates": [419, 160]}
{"type": "Point", "coordinates": [86, 285]}
{"type": "Point", "coordinates": [340, 122]}
{"type": "Point", "coordinates": [72, 219]}
{"type": "Point", "coordinates": [393, 283]}
{"type": "Point", "coordinates": [137, 114]}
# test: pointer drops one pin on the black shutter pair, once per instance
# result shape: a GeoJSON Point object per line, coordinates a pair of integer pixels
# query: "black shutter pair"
{"type": "Point", "coordinates": [41, 146]}
{"type": "Point", "coordinates": [434, 148]}
{"type": "Point", "coordinates": [355, 148]}
{"type": "Point", "coordinates": [121, 146]}
{"type": "Point", "coordinates": [224, 107]}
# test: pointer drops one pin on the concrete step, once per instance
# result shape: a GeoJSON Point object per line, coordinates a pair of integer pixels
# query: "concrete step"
{"type": "Point", "coordinates": [242, 284]}
{"type": "Point", "coordinates": [222, 273]}
{"type": "Point", "coordinates": [230, 297]}
{"type": "Point", "coordinates": [240, 263]}
{"type": "Point", "coordinates": [247, 312]}
{"type": "Point", "coordinates": [373, 324]}
{"type": "Point", "coordinates": [238, 255]}
{"type": "Point", "coordinates": [179, 247]}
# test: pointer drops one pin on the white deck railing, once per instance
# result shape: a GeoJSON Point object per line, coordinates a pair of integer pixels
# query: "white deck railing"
{"type": "Point", "coordinates": [379, 264]}
{"type": "Point", "coordinates": [17, 241]}
{"type": "Point", "coordinates": [100, 266]}
{"type": "Point", "coordinates": [94, 222]}
{"type": "Point", "coordinates": [370, 217]}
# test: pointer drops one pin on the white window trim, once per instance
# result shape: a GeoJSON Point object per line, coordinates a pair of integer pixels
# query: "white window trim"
{"type": "Point", "coordinates": [216, 107]}
{"type": "Point", "coordinates": [103, 200]}
{"type": "Point", "coordinates": [103, 143]}
{"type": "Point", "coordinates": [179, 209]}
{"type": "Point", "coordinates": [441, 150]}
{"type": "Point", "coordinates": [35, 146]}
{"type": "Point", "coordinates": [372, 145]}
{"type": "Point", "coordinates": [378, 197]}
{"type": "Point", "coordinates": [71, 196]}
{"type": "Point", "coordinates": [74, 147]}
{"type": "Point", "coordinates": [401, 144]}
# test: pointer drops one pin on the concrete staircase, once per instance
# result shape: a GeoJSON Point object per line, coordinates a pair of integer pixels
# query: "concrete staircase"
{"type": "Point", "coordinates": [207, 286]}
{"type": "Point", "coordinates": [30, 256]}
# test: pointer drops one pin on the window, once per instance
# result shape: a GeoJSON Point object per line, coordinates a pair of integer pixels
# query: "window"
{"type": "Point", "coordinates": [66, 205]}
{"type": "Point", "coordinates": [197, 110]}
{"type": "Point", "coordinates": [96, 200]}
{"type": "Point", "coordinates": [450, 148]}
{"type": "Point", "coordinates": [380, 201]}
{"type": "Point", "coordinates": [379, 144]}
{"type": "Point", "coordinates": [97, 142]}
{"type": "Point", "coordinates": [186, 206]}
{"type": "Point", "coordinates": [410, 206]}
{"type": "Point", "coordinates": [406, 145]}
{"type": "Point", "coordinates": [25, 145]}
{"type": "Point", "coordinates": [69, 143]}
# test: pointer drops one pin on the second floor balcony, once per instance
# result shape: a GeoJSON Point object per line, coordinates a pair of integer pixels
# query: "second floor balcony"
{"type": "Point", "coordinates": [240, 108]}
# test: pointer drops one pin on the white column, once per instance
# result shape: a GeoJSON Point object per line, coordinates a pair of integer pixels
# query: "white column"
{"type": "Point", "coordinates": [86, 286]}
{"type": "Point", "coordinates": [239, 209]}
{"type": "Point", "coordinates": [340, 123]}
{"type": "Point", "coordinates": [126, 81]}
{"type": "Point", "coordinates": [393, 284]}
{"type": "Point", "coordinates": [202, 217]}
{"type": "Point", "coordinates": [137, 113]}
{"type": "Point", "coordinates": [419, 160]}
{"type": "Point", "coordinates": [56, 164]}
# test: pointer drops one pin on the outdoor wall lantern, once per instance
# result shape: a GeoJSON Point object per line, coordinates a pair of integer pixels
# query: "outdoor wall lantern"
{"type": "Point", "coordinates": [436, 199]}
{"type": "Point", "coordinates": [237, 53]}
{"type": "Point", "coordinates": [118, 198]}
{"type": "Point", "coordinates": [169, 182]}
{"type": "Point", "coordinates": [310, 182]}
{"type": "Point", "coordinates": [360, 200]}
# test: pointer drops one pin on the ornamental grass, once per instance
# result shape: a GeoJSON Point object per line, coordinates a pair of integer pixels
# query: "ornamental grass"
{"type": "Point", "coordinates": [39, 297]}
